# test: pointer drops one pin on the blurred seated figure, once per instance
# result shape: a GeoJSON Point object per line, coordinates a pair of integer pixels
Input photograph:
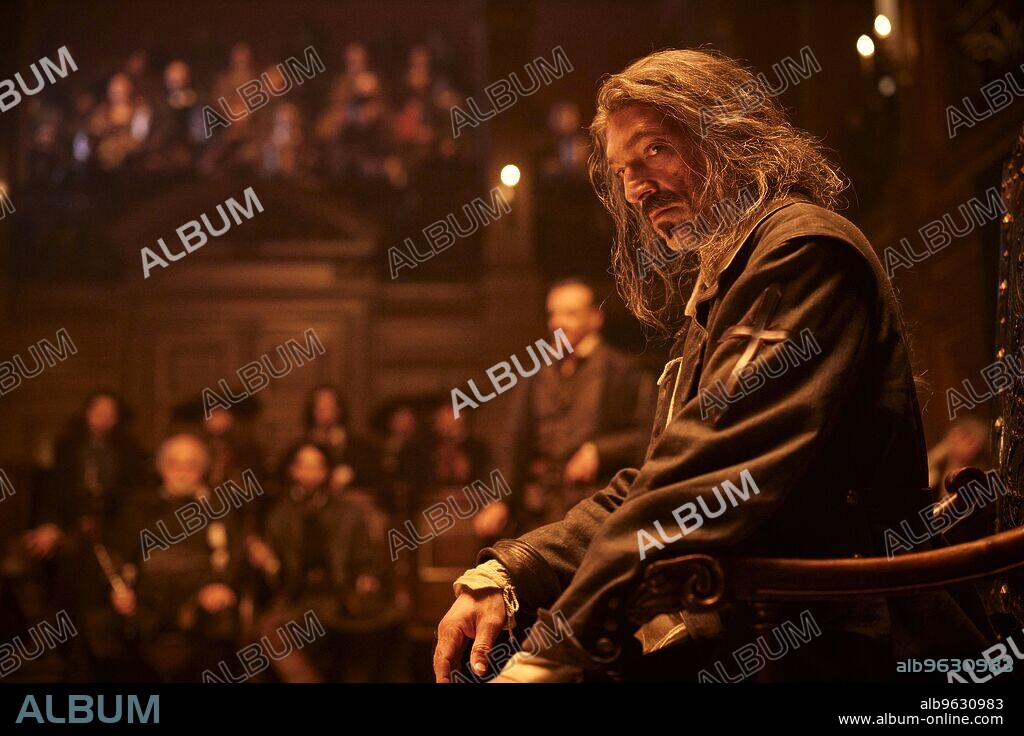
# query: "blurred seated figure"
{"type": "Point", "coordinates": [183, 601]}
{"type": "Point", "coordinates": [120, 125]}
{"type": "Point", "coordinates": [49, 152]}
{"type": "Point", "coordinates": [353, 458]}
{"type": "Point", "coordinates": [457, 457]}
{"type": "Point", "coordinates": [361, 152]}
{"type": "Point", "coordinates": [567, 150]}
{"type": "Point", "coordinates": [319, 556]}
{"type": "Point", "coordinates": [23, 599]}
{"type": "Point", "coordinates": [401, 445]}
{"type": "Point", "coordinates": [401, 430]}
{"type": "Point", "coordinates": [145, 81]}
{"type": "Point", "coordinates": [421, 129]}
{"type": "Point", "coordinates": [330, 124]}
{"type": "Point", "coordinates": [356, 63]}
{"type": "Point", "coordinates": [229, 439]}
{"type": "Point", "coordinates": [231, 452]}
{"type": "Point", "coordinates": [96, 463]}
{"type": "Point", "coordinates": [241, 69]}
{"type": "Point", "coordinates": [351, 129]}
{"type": "Point", "coordinates": [232, 148]}
{"type": "Point", "coordinates": [281, 149]}
{"type": "Point", "coordinates": [177, 122]}
{"type": "Point", "coordinates": [413, 132]}
{"type": "Point", "coordinates": [79, 132]}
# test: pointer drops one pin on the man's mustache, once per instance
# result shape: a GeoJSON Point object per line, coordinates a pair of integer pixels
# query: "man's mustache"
{"type": "Point", "coordinates": [657, 201]}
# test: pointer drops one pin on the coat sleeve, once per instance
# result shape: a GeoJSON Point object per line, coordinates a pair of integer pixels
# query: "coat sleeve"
{"type": "Point", "coordinates": [771, 435]}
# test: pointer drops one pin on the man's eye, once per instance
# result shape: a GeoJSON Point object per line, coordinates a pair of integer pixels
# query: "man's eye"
{"type": "Point", "coordinates": [655, 149]}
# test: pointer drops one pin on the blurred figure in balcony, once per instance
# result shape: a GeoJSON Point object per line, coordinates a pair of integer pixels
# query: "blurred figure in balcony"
{"type": "Point", "coordinates": [178, 122]}
{"type": "Point", "coordinates": [120, 125]}
{"type": "Point", "coordinates": [566, 150]}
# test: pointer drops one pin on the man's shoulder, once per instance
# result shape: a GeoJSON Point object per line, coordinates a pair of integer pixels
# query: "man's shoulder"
{"type": "Point", "coordinates": [804, 220]}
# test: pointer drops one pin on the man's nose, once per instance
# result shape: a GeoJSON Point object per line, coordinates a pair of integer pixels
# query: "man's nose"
{"type": "Point", "coordinates": [638, 188]}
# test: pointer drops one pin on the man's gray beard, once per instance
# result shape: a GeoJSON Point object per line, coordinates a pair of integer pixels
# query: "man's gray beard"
{"type": "Point", "coordinates": [712, 253]}
{"type": "Point", "coordinates": [700, 252]}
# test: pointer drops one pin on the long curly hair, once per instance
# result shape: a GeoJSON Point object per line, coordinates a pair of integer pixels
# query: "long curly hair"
{"type": "Point", "coordinates": [741, 146]}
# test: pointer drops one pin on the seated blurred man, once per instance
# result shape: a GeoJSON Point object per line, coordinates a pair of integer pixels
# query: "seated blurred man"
{"type": "Point", "coordinates": [96, 462]}
{"type": "Point", "coordinates": [576, 423]}
{"type": "Point", "coordinates": [184, 604]}
{"type": "Point", "coordinates": [232, 452]}
{"type": "Point", "coordinates": [458, 455]}
{"type": "Point", "coordinates": [353, 459]}
{"type": "Point", "coordinates": [319, 556]}
{"type": "Point", "coordinates": [403, 445]}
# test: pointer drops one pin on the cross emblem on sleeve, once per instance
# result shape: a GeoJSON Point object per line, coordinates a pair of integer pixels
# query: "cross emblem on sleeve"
{"type": "Point", "coordinates": [755, 328]}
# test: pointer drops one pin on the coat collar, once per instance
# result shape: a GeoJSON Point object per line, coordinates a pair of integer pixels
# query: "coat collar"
{"type": "Point", "coordinates": [702, 291]}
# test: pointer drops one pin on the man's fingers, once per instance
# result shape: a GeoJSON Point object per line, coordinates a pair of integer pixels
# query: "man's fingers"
{"type": "Point", "coordinates": [450, 641]}
{"type": "Point", "coordinates": [487, 631]}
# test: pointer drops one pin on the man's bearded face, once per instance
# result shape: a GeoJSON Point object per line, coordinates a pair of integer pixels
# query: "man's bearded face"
{"type": "Point", "coordinates": [645, 153]}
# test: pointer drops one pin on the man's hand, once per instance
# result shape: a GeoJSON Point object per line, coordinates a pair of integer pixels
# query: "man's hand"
{"type": "Point", "coordinates": [491, 520]}
{"type": "Point", "coordinates": [216, 597]}
{"type": "Point", "coordinates": [476, 614]}
{"type": "Point", "coordinates": [583, 465]}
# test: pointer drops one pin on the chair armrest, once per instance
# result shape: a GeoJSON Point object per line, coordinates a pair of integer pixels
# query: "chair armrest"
{"type": "Point", "coordinates": [703, 583]}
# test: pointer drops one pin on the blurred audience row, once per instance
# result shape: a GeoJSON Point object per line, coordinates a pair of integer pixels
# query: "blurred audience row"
{"type": "Point", "coordinates": [354, 126]}
{"type": "Point", "coordinates": [142, 120]}
{"type": "Point", "coordinates": [170, 565]}
{"type": "Point", "coordinates": [167, 573]}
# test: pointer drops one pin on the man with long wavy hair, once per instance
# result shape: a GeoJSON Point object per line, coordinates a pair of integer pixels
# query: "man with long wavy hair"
{"type": "Point", "coordinates": [789, 376]}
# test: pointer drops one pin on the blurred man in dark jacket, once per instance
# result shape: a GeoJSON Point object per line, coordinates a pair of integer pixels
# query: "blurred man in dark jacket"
{"type": "Point", "coordinates": [577, 422]}
{"type": "Point", "coordinates": [355, 461]}
{"type": "Point", "coordinates": [319, 556]}
{"type": "Point", "coordinates": [96, 463]}
{"type": "Point", "coordinates": [789, 375]}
